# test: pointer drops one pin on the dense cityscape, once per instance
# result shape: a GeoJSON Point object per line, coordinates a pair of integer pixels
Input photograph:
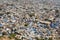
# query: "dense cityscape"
{"type": "Point", "coordinates": [29, 20]}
